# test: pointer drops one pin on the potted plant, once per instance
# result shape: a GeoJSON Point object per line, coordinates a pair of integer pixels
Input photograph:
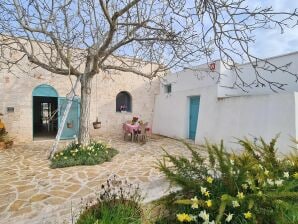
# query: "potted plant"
{"type": "Point", "coordinates": [69, 124]}
{"type": "Point", "coordinates": [5, 141]}
{"type": "Point", "coordinates": [134, 120]}
{"type": "Point", "coordinates": [96, 124]}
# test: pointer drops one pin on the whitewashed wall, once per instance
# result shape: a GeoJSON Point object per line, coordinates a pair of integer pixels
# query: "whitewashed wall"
{"type": "Point", "coordinates": [171, 111]}
{"type": "Point", "coordinates": [257, 113]}
{"type": "Point", "coordinates": [249, 116]}
{"type": "Point", "coordinates": [248, 75]}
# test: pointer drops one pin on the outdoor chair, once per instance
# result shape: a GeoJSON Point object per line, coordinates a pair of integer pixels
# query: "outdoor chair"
{"type": "Point", "coordinates": [142, 133]}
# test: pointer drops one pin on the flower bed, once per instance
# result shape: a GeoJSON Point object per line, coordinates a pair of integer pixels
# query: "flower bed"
{"type": "Point", "coordinates": [254, 186]}
{"type": "Point", "coordinates": [76, 155]}
{"type": "Point", "coordinates": [118, 203]}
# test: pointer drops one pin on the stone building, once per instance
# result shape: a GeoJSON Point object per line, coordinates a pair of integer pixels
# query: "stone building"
{"type": "Point", "coordinates": [28, 99]}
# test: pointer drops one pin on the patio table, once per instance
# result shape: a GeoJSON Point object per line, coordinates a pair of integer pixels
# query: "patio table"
{"type": "Point", "coordinates": [131, 128]}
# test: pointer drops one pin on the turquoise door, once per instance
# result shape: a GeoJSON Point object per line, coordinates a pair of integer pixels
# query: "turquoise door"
{"type": "Point", "coordinates": [193, 116]}
{"type": "Point", "coordinates": [71, 127]}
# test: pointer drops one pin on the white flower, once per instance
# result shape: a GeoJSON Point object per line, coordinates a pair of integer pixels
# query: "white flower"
{"type": "Point", "coordinates": [266, 172]}
{"type": "Point", "coordinates": [278, 182]}
{"type": "Point", "coordinates": [235, 204]}
{"type": "Point", "coordinates": [203, 190]}
{"type": "Point", "coordinates": [195, 202]}
{"type": "Point", "coordinates": [244, 186]}
{"type": "Point", "coordinates": [232, 161]}
{"type": "Point", "coordinates": [261, 167]}
{"type": "Point", "coordinates": [270, 182]}
{"type": "Point", "coordinates": [249, 182]}
{"type": "Point", "coordinates": [229, 217]}
{"type": "Point", "coordinates": [204, 215]}
{"type": "Point", "coordinates": [286, 175]}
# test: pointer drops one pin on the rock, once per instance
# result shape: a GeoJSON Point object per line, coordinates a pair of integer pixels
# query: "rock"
{"type": "Point", "coordinates": [73, 188]}
{"type": "Point", "coordinates": [62, 194]}
{"type": "Point", "coordinates": [39, 197]}
{"type": "Point", "coordinates": [54, 201]}
{"type": "Point", "coordinates": [16, 205]}
{"type": "Point", "coordinates": [24, 187]}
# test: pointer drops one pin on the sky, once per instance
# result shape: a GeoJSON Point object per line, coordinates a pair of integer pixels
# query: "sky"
{"type": "Point", "coordinates": [271, 42]}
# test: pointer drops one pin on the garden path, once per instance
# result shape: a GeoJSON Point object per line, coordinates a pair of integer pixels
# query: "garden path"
{"type": "Point", "coordinates": [31, 192]}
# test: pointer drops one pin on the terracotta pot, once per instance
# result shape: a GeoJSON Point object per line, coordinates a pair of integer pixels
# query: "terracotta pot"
{"type": "Point", "coordinates": [96, 124]}
{"type": "Point", "coordinates": [8, 144]}
{"type": "Point", "coordinates": [2, 145]}
{"type": "Point", "coordinates": [69, 125]}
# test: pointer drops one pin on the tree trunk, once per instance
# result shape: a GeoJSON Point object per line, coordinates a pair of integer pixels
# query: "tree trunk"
{"type": "Point", "coordinates": [84, 137]}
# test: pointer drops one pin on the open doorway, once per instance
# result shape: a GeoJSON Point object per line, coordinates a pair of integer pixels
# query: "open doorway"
{"type": "Point", "coordinates": [45, 117]}
{"type": "Point", "coordinates": [45, 112]}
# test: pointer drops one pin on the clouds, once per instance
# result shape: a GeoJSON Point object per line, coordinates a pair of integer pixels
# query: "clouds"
{"type": "Point", "coordinates": [272, 42]}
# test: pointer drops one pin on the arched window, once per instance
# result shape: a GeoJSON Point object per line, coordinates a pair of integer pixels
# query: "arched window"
{"type": "Point", "coordinates": [123, 102]}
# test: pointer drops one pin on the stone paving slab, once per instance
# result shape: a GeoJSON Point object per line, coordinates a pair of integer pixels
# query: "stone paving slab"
{"type": "Point", "coordinates": [31, 192]}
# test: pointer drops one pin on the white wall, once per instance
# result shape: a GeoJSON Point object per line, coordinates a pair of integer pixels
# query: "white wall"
{"type": "Point", "coordinates": [228, 118]}
{"type": "Point", "coordinates": [248, 75]}
{"type": "Point", "coordinates": [171, 111]}
{"type": "Point", "coordinates": [260, 113]}
{"type": "Point", "coordinates": [265, 116]}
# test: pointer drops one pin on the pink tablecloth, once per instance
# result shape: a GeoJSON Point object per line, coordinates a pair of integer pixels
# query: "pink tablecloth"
{"type": "Point", "coordinates": [130, 127]}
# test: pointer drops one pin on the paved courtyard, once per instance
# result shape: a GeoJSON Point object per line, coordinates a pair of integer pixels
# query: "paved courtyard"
{"type": "Point", "coordinates": [31, 192]}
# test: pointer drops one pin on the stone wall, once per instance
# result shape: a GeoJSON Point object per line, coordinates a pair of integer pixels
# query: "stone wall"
{"type": "Point", "coordinates": [16, 91]}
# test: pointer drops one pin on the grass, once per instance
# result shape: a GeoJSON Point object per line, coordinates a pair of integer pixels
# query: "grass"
{"type": "Point", "coordinates": [112, 212]}
{"type": "Point", "coordinates": [77, 155]}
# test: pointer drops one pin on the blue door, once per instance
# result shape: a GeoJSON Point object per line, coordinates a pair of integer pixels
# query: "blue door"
{"type": "Point", "coordinates": [193, 116]}
{"type": "Point", "coordinates": [71, 127]}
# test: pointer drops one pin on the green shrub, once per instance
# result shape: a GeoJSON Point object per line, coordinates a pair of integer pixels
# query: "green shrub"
{"type": "Point", "coordinates": [254, 186]}
{"type": "Point", "coordinates": [76, 155]}
{"type": "Point", "coordinates": [118, 203]}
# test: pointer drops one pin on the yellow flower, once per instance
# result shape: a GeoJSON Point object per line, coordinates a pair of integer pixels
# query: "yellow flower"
{"type": "Point", "coordinates": [195, 202]}
{"type": "Point", "coordinates": [247, 215]}
{"type": "Point", "coordinates": [209, 180]}
{"type": "Point", "coordinates": [207, 194]}
{"type": "Point", "coordinates": [240, 195]}
{"type": "Point", "coordinates": [209, 203]}
{"type": "Point", "coordinates": [61, 153]}
{"type": "Point", "coordinates": [65, 157]}
{"type": "Point", "coordinates": [184, 217]}
{"type": "Point", "coordinates": [266, 172]}
{"type": "Point", "coordinates": [295, 175]}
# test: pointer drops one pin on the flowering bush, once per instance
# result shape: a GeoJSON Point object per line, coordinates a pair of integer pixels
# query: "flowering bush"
{"type": "Point", "coordinates": [118, 202]}
{"type": "Point", "coordinates": [254, 186]}
{"type": "Point", "coordinates": [75, 155]}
